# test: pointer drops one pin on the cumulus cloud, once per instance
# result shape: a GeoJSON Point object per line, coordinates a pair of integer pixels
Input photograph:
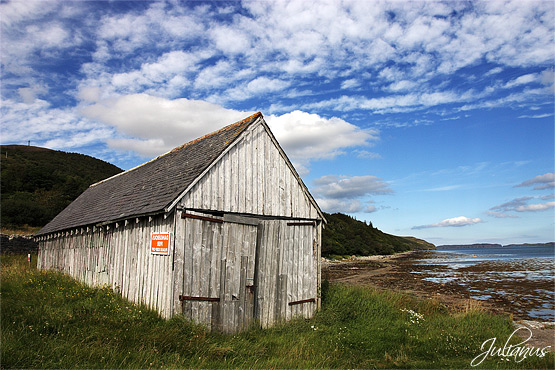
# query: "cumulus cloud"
{"type": "Point", "coordinates": [347, 193]}
{"type": "Point", "coordinates": [452, 222]}
{"type": "Point", "coordinates": [345, 206]}
{"type": "Point", "coordinates": [386, 56]}
{"type": "Point", "coordinates": [153, 125]}
{"type": "Point", "coordinates": [541, 182]}
{"type": "Point", "coordinates": [397, 47]}
{"type": "Point", "coordinates": [341, 187]}
{"type": "Point", "coordinates": [156, 125]}
{"type": "Point", "coordinates": [307, 136]}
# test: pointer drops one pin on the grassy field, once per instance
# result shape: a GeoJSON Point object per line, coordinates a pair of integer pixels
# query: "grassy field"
{"type": "Point", "coordinates": [51, 321]}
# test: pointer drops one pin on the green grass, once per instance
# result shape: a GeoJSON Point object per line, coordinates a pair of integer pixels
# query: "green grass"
{"type": "Point", "coordinates": [51, 321]}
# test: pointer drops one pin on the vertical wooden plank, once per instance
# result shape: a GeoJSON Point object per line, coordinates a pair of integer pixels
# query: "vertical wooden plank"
{"type": "Point", "coordinates": [294, 269]}
{"type": "Point", "coordinates": [142, 261]}
{"type": "Point", "coordinates": [241, 176]}
{"type": "Point", "coordinates": [307, 268]}
{"type": "Point", "coordinates": [262, 271]}
{"type": "Point", "coordinates": [260, 174]}
{"type": "Point", "coordinates": [195, 272]}
{"type": "Point", "coordinates": [235, 178]}
{"type": "Point", "coordinates": [178, 256]}
{"type": "Point", "coordinates": [235, 256]}
{"type": "Point", "coordinates": [149, 264]}
{"type": "Point", "coordinates": [207, 238]}
{"type": "Point", "coordinates": [273, 272]}
{"type": "Point", "coordinates": [220, 190]}
{"type": "Point", "coordinates": [269, 193]}
{"type": "Point", "coordinates": [278, 270]}
{"type": "Point", "coordinates": [187, 265]}
{"type": "Point", "coordinates": [248, 173]}
{"type": "Point", "coordinates": [218, 315]}
{"type": "Point", "coordinates": [242, 319]}
{"type": "Point", "coordinates": [255, 168]}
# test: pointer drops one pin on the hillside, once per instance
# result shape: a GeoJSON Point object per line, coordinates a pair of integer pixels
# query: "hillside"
{"type": "Point", "coordinates": [37, 183]}
{"type": "Point", "coordinates": [343, 235]}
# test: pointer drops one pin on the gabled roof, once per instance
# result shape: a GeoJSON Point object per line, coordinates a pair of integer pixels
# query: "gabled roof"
{"type": "Point", "coordinates": [150, 187]}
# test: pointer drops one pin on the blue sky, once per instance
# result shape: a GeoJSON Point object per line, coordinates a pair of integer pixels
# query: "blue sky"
{"type": "Point", "coordinates": [431, 119]}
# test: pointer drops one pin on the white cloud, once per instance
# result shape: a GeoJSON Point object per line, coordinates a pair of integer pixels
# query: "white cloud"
{"type": "Point", "coordinates": [349, 187]}
{"type": "Point", "coordinates": [535, 207]}
{"type": "Point", "coordinates": [521, 205]}
{"type": "Point", "coordinates": [208, 52]}
{"type": "Point", "coordinates": [536, 116]}
{"type": "Point", "coordinates": [54, 128]}
{"type": "Point", "coordinates": [348, 194]}
{"type": "Point", "coordinates": [494, 71]}
{"type": "Point", "coordinates": [145, 147]}
{"type": "Point", "coordinates": [541, 182]}
{"type": "Point", "coordinates": [500, 214]}
{"type": "Point", "coordinates": [18, 11]}
{"type": "Point", "coordinates": [512, 205]}
{"type": "Point", "coordinates": [523, 80]}
{"type": "Point", "coordinates": [306, 136]}
{"type": "Point", "coordinates": [366, 154]}
{"type": "Point", "coordinates": [402, 85]}
{"type": "Point", "coordinates": [350, 83]}
{"type": "Point", "coordinates": [344, 206]}
{"type": "Point", "coordinates": [159, 123]}
{"type": "Point", "coordinates": [153, 125]}
{"type": "Point", "coordinates": [265, 84]}
{"type": "Point", "coordinates": [452, 222]}
{"type": "Point", "coordinates": [353, 41]}
{"type": "Point", "coordinates": [230, 40]}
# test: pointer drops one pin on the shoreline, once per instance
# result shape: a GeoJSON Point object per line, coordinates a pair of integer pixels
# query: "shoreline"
{"type": "Point", "coordinates": [403, 272]}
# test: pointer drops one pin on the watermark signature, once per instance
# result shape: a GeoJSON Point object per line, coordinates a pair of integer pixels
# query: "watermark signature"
{"type": "Point", "coordinates": [518, 352]}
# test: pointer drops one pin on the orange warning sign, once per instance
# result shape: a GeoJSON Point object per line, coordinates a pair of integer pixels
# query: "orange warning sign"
{"type": "Point", "coordinates": [160, 243]}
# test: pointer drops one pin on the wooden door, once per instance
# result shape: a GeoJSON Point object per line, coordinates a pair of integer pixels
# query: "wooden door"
{"type": "Point", "coordinates": [217, 272]}
{"type": "Point", "coordinates": [287, 270]}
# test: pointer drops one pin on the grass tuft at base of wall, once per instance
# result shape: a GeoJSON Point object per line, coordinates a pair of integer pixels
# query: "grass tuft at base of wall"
{"type": "Point", "coordinates": [51, 321]}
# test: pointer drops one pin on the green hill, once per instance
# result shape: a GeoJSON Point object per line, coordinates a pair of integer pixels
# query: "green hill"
{"type": "Point", "coordinates": [343, 235]}
{"type": "Point", "coordinates": [37, 183]}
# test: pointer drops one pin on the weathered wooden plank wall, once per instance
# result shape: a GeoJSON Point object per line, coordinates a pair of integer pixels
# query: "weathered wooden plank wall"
{"type": "Point", "coordinates": [289, 257]}
{"type": "Point", "coordinates": [253, 177]}
{"type": "Point", "coordinates": [215, 261]}
{"type": "Point", "coordinates": [117, 255]}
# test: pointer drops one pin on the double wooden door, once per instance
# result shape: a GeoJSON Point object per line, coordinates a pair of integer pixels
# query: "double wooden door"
{"type": "Point", "coordinates": [229, 271]}
{"type": "Point", "coordinates": [217, 270]}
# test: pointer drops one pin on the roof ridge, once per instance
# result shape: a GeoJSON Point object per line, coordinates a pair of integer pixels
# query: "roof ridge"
{"type": "Point", "coordinates": [249, 118]}
{"type": "Point", "coordinates": [228, 127]}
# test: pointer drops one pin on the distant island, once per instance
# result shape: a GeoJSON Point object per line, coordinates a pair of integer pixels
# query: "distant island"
{"type": "Point", "coordinates": [489, 245]}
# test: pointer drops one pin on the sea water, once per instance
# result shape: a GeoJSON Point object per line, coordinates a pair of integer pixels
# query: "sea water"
{"type": "Point", "coordinates": [523, 274]}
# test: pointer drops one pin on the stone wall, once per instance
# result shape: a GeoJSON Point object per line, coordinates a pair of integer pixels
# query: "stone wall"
{"type": "Point", "coordinates": [17, 244]}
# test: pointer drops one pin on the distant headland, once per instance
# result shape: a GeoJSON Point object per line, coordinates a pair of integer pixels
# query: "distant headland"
{"type": "Point", "coordinates": [489, 245]}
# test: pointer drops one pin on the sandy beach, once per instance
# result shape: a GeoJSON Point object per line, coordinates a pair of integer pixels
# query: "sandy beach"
{"type": "Point", "coordinates": [405, 272]}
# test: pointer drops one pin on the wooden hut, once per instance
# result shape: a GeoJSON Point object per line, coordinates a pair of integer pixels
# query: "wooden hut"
{"type": "Point", "coordinates": [221, 229]}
